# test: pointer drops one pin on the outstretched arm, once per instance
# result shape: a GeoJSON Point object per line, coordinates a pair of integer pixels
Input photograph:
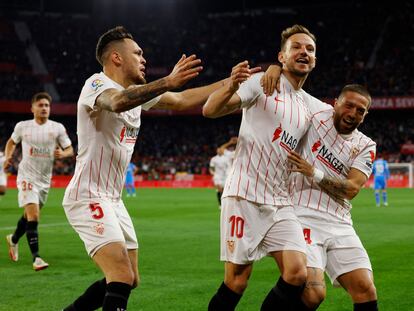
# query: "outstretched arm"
{"type": "Point", "coordinates": [189, 98]}
{"type": "Point", "coordinates": [337, 188]}
{"type": "Point", "coordinates": [225, 100]}
{"type": "Point", "coordinates": [114, 100]}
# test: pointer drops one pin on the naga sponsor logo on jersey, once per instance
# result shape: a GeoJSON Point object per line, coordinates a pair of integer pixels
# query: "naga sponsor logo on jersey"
{"type": "Point", "coordinates": [287, 141]}
{"type": "Point", "coordinates": [129, 134]}
{"type": "Point", "coordinates": [39, 152]}
{"type": "Point", "coordinates": [96, 84]}
{"type": "Point", "coordinates": [327, 157]}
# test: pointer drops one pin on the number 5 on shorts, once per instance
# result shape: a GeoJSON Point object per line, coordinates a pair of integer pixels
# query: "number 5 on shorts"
{"type": "Point", "coordinates": [96, 209]}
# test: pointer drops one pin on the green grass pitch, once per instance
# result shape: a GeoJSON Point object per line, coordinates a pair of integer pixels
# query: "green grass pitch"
{"type": "Point", "coordinates": [178, 232]}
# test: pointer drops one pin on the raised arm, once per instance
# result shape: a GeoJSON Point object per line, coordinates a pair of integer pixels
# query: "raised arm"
{"type": "Point", "coordinates": [225, 100]}
{"type": "Point", "coordinates": [114, 100]}
{"type": "Point", "coordinates": [8, 154]}
{"type": "Point", "coordinates": [271, 79]}
{"type": "Point", "coordinates": [338, 188]}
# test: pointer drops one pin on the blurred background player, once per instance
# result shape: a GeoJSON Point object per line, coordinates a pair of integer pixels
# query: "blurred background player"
{"type": "Point", "coordinates": [220, 166]}
{"type": "Point", "coordinates": [129, 179]}
{"type": "Point", "coordinates": [381, 174]}
{"type": "Point", "coordinates": [42, 142]}
{"type": "Point", "coordinates": [3, 175]}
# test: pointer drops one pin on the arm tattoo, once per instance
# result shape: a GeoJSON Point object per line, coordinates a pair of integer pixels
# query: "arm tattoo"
{"type": "Point", "coordinates": [336, 188]}
{"type": "Point", "coordinates": [137, 95]}
{"type": "Point", "coordinates": [314, 284]}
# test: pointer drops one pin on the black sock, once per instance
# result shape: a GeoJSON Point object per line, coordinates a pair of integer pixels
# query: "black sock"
{"type": "Point", "coordinates": [224, 300]}
{"type": "Point", "coordinates": [33, 238]}
{"type": "Point", "coordinates": [116, 297]}
{"type": "Point", "coordinates": [20, 230]}
{"type": "Point", "coordinates": [91, 299]}
{"type": "Point", "coordinates": [284, 295]}
{"type": "Point", "coordinates": [366, 306]}
{"type": "Point", "coordinates": [219, 194]}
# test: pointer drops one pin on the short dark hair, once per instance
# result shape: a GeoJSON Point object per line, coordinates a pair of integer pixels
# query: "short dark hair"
{"type": "Point", "coordinates": [357, 88]}
{"type": "Point", "coordinates": [290, 31]}
{"type": "Point", "coordinates": [38, 96]}
{"type": "Point", "coordinates": [114, 34]}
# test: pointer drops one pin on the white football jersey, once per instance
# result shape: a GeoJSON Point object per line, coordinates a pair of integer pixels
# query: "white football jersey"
{"type": "Point", "coordinates": [335, 155]}
{"type": "Point", "coordinates": [220, 164]}
{"type": "Point", "coordinates": [39, 142]}
{"type": "Point", "coordinates": [106, 142]}
{"type": "Point", "coordinates": [271, 127]}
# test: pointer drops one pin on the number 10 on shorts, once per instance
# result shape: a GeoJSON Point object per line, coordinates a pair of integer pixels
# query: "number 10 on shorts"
{"type": "Point", "coordinates": [237, 226]}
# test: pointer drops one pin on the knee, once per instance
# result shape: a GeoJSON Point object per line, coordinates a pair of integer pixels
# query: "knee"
{"type": "Point", "coordinates": [363, 291]}
{"type": "Point", "coordinates": [295, 275]}
{"type": "Point", "coordinates": [237, 283]}
{"type": "Point", "coordinates": [313, 297]}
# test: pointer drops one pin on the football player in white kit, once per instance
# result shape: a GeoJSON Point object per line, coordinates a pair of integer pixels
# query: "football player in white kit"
{"type": "Point", "coordinates": [3, 175]}
{"type": "Point", "coordinates": [109, 110]}
{"type": "Point", "coordinates": [220, 166]}
{"type": "Point", "coordinates": [42, 140]}
{"type": "Point", "coordinates": [335, 160]}
{"type": "Point", "coordinates": [257, 216]}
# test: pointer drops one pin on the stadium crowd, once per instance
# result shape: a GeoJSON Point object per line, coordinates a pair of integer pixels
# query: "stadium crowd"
{"type": "Point", "coordinates": [366, 51]}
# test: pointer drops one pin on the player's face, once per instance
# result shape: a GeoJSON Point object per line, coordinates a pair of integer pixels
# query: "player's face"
{"type": "Point", "coordinates": [133, 62]}
{"type": "Point", "coordinates": [350, 110]}
{"type": "Point", "coordinates": [299, 54]}
{"type": "Point", "coordinates": [41, 109]}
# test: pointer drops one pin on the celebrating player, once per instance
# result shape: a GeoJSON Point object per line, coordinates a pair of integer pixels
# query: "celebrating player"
{"type": "Point", "coordinates": [257, 217]}
{"type": "Point", "coordinates": [335, 161]}
{"type": "Point", "coordinates": [109, 118]}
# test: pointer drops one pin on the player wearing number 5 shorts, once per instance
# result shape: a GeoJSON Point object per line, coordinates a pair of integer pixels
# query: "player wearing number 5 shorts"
{"type": "Point", "coordinates": [257, 217]}
{"type": "Point", "coordinates": [42, 140]}
{"type": "Point", "coordinates": [109, 119]}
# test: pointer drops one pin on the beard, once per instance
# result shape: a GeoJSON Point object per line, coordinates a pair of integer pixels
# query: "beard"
{"type": "Point", "coordinates": [297, 72]}
{"type": "Point", "coordinates": [139, 80]}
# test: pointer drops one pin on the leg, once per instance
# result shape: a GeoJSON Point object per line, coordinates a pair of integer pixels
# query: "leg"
{"type": "Point", "coordinates": [231, 290]}
{"type": "Point", "coordinates": [315, 290]}
{"type": "Point", "coordinates": [219, 193]}
{"type": "Point", "coordinates": [360, 286]}
{"type": "Point", "coordinates": [32, 212]}
{"type": "Point", "coordinates": [384, 197]}
{"type": "Point", "coordinates": [287, 292]}
{"type": "Point", "coordinates": [2, 190]}
{"type": "Point", "coordinates": [13, 239]}
{"type": "Point", "coordinates": [377, 198]}
{"type": "Point", "coordinates": [115, 262]}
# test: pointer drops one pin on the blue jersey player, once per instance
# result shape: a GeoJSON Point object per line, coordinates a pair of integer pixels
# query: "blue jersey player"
{"type": "Point", "coordinates": [129, 179]}
{"type": "Point", "coordinates": [381, 175]}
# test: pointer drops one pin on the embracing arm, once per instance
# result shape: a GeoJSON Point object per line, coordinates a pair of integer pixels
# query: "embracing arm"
{"type": "Point", "coordinates": [338, 188]}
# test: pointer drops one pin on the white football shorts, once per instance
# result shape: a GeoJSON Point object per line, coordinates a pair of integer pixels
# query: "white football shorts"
{"type": "Point", "coordinates": [250, 231]}
{"type": "Point", "coordinates": [100, 222]}
{"type": "Point", "coordinates": [335, 249]}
